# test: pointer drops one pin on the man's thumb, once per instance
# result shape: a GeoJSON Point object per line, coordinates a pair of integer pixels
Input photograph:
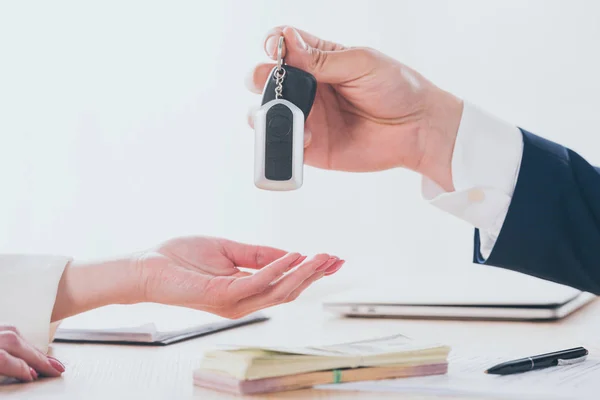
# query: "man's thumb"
{"type": "Point", "coordinates": [334, 66]}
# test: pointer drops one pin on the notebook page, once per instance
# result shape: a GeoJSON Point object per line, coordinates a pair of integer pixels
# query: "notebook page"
{"type": "Point", "coordinates": [143, 317]}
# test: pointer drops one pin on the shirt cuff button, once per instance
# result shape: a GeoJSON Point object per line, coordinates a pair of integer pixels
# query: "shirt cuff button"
{"type": "Point", "coordinates": [476, 195]}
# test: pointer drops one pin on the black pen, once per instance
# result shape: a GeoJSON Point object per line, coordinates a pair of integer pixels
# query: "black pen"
{"type": "Point", "coordinates": [564, 357]}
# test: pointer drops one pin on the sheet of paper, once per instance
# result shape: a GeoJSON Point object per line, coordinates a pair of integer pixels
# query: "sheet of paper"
{"type": "Point", "coordinates": [363, 348]}
{"type": "Point", "coordinates": [140, 317]}
{"type": "Point", "coordinates": [466, 377]}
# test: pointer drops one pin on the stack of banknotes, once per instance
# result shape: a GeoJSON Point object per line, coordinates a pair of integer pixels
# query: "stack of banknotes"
{"type": "Point", "coordinates": [263, 369]}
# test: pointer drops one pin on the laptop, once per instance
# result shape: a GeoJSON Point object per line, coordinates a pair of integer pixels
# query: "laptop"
{"type": "Point", "coordinates": [476, 292]}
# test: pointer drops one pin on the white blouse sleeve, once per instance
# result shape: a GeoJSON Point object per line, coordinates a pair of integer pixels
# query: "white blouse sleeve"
{"type": "Point", "coordinates": [28, 286]}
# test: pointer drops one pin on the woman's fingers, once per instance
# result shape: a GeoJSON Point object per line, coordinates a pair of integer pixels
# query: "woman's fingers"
{"type": "Point", "coordinates": [14, 367]}
{"type": "Point", "coordinates": [305, 285]}
{"type": "Point", "coordinates": [335, 268]}
{"type": "Point", "coordinates": [279, 292]}
{"type": "Point", "coordinates": [326, 269]}
{"type": "Point", "coordinates": [249, 255]}
{"type": "Point", "coordinates": [13, 344]}
{"type": "Point", "coordinates": [241, 288]}
{"type": "Point", "coordinates": [9, 328]}
{"type": "Point", "coordinates": [242, 294]}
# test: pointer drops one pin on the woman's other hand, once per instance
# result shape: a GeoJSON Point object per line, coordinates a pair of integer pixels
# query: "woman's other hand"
{"type": "Point", "coordinates": [23, 361]}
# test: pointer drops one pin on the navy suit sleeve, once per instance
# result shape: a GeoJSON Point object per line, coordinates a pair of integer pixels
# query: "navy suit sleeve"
{"type": "Point", "coordinates": [552, 228]}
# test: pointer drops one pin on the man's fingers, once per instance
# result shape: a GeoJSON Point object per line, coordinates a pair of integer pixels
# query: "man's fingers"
{"type": "Point", "coordinates": [327, 61]}
{"type": "Point", "coordinates": [257, 78]}
{"type": "Point", "coordinates": [17, 347]}
{"type": "Point", "coordinates": [305, 39]}
{"type": "Point", "coordinates": [251, 256]}
{"type": "Point", "coordinates": [316, 42]}
{"type": "Point", "coordinates": [14, 367]}
{"type": "Point", "coordinates": [251, 113]}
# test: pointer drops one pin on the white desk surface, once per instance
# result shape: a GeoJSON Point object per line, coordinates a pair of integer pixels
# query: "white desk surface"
{"type": "Point", "coordinates": [130, 372]}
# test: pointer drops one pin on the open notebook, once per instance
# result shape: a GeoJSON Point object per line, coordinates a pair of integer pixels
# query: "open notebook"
{"type": "Point", "coordinates": [145, 323]}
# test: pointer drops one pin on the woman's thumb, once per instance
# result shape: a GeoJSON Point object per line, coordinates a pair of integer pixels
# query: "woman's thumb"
{"type": "Point", "coordinates": [328, 63]}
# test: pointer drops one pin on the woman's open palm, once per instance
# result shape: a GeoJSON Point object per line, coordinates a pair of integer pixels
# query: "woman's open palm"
{"type": "Point", "coordinates": [204, 273]}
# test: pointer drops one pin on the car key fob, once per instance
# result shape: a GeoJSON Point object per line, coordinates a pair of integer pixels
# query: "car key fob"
{"type": "Point", "coordinates": [279, 146]}
{"type": "Point", "coordinates": [288, 97]}
{"type": "Point", "coordinates": [299, 88]}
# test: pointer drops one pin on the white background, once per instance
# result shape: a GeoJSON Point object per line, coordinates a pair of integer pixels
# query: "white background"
{"type": "Point", "coordinates": [123, 123]}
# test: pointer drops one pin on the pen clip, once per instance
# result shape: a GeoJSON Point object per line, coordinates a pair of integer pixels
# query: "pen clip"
{"type": "Point", "coordinates": [571, 361]}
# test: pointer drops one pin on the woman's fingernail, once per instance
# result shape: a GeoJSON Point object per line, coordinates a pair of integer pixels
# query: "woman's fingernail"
{"type": "Point", "coordinates": [294, 259]}
{"type": "Point", "coordinates": [57, 365]}
{"type": "Point", "coordinates": [270, 46]}
{"type": "Point", "coordinates": [335, 268]}
{"type": "Point", "coordinates": [327, 264]}
{"type": "Point", "coordinates": [34, 375]}
{"type": "Point", "coordinates": [297, 262]}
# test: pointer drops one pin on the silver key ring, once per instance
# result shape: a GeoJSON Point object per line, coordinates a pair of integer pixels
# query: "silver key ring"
{"type": "Point", "coordinates": [280, 53]}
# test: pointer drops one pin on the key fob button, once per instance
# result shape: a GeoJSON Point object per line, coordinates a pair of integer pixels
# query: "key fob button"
{"type": "Point", "coordinates": [279, 146]}
{"type": "Point", "coordinates": [279, 126]}
{"type": "Point", "coordinates": [279, 143]}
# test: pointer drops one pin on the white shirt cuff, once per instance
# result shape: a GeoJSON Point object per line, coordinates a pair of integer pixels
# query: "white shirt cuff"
{"type": "Point", "coordinates": [485, 166]}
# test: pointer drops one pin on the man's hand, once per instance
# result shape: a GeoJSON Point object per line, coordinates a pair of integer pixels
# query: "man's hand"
{"type": "Point", "coordinates": [371, 112]}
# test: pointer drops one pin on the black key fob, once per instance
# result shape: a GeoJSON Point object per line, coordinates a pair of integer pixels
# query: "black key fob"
{"type": "Point", "coordinates": [299, 88]}
{"type": "Point", "coordinates": [288, 97]}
